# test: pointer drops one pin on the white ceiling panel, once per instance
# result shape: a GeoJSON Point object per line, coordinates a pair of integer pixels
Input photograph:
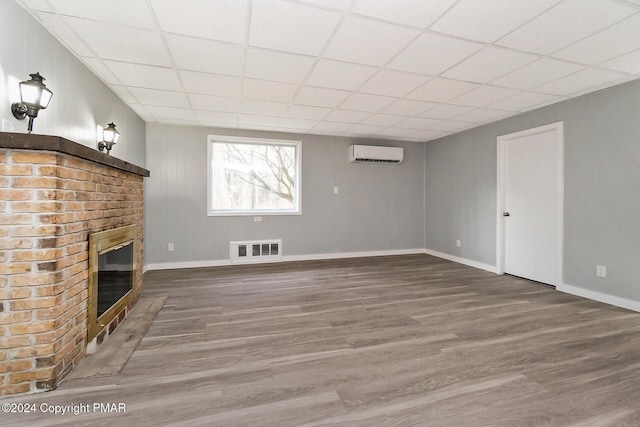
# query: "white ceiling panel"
{"type": "Point", "coordinates": [278, 66]}
{"type": "Point", "coordinates": [339, 75]}
{"type": "Point", "coordinates": [409, 70]}
{"type": "Point", "coordinates": [484, 95]}
{"type": "Point", "coordinates": [537, 73]}
{"type": "Point", "coordinates": [160, 97]}
{"type": "Point", "coordinates": [123, 12]}
{"type": "Point", "coordinates": [224, 20]}
{"type": "Point", "coordinates": [392, 83]}
{"type": "Point", "coordinates": [416, 13]}
{"type": "Point", "coordinates": [488, 64]}
{"type": "Point", "coordinates": [214, 103]}
{"type": "Point", "coordinates": [268, 91]}
{"type": "Point", "coordinates": [488, 20]}
{"type": "Point", "coordinates": [581, 81]}
{"type": "Point", "coordinates": [566, 23]}
{"type": "Point", "coordinates": [301, 29]}
{"type": "Point", "coordinates": [609, 43]}
{"type": "Point", "coordinates": [442, 90]}
{"type": "Point", "coordinates": [145, 75]}
{"type": "Point", "coordinates": [211, 84]}
{"type": "Point", "coordinates": [111, 41]}
{"type": "Point", "coordinates": [433, 54]}
{"type": "Point", "coordinates": [355, 38]}
{"type": "Point", "coordinates": [366, 102]}
{"type": "Point", "coordinates": [190, 53]}
{"type": "Point", "coordinates": [320, 97]}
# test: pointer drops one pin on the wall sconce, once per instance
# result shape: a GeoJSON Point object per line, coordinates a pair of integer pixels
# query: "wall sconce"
{"type": "Point", "coordinates": [109, 138]}
{"type": "Point", "coordinates": [34, 96]}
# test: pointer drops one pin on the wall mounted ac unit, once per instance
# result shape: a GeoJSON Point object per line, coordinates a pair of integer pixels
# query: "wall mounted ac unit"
{"type": "Point", "coordinates": [375, 154]}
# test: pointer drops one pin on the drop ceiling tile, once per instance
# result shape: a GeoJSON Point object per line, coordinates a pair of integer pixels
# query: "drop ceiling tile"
{"type": "Point", "coordinates": [383, 120]}
{"type": "Point", "coordinates": [417, 123]}
{"type": "Point", "coordinates": [214, 103]}
{"type": "Point", "coordinates": [333, 127]}
{"type": "Point", "coordinates": [426, 134]}
{"type": "Point", "coordinates": [123, 12]}
{"type": "Point", "coordinates": [124, 94]}
{"type": "Point", "coordinates": [488, 64]}
{"type": "Point", "coordinates": [268, 91]}
{"type": "Point", "coordinates": [100, 70]}
{"type": "Point", "coordinates": [484, 95]}
{"type": "Point", "coordinates": [211, 84]}
{"type": "Point", "coordinates": [526, 101]}
{"type": "Point", "coordinates": [320, 97]}
{"type": "Point", "coordinates": [415, 13]}
{"type": "Point", "coordinates": [224, 20]}
{"type": "Point", "coordinates": [59, 27]}
{"type": "Point", "coordinates": [396, 132]}
{"type": "Point", "coordinates": [160, 97]}
{"type": "Point", "coordinates": [250, 106]}
{"type": "Point", "coordinates": [345, 116]}
{"type": "Point", "coordinates": [306, 112]}
{"type": "Point", "coordinates": [339, 75]}
{"type": "Point", "coordinates": [483, 115]}
{"type": "Point", "coordinates": [488, 20]}
{"type": "Point", "coordinates": [170, 113]}
{"type": "Point", "coordinates": [331, 4]}
{"type": "Point", "coordinates": [590, 78]}
{"type": "Point", "coordinates": [392, 83]}
{"type": "Point", "coordinates": [446, 111]}
{"type": "Point", "coordinates": [365, 129]}
{"type": "Point", "coordinates": [297, 124]}
{"type": "Point", "coordinates": [115, 42]}
{"type": "Point", "coordinates": [629, 63]}
{"type": "Point", "coordinates": [564, 24]}
{"type": "Point", "coordinates": [408, 107]}
{"type": "Point", "coordinates": [214, 118]}
{"type": "Point", "coordinates": [278, 66]}
{"type": "Point", "coordinates": [145, 75]}
{"type": "Point", "coordinates": [300, 29]}
{"type": "Point", "coordinates": [441, 90]}
{"type": "Point", "coordinates": [190, 53]}
{"type": "Point", "coordinates": [248, 120]}
{"type": "Point", "coordinates": [537, 73]}
{"type": "Point", "coordinates": [451, 126]}
{"type": "Point", "coordinates": [609, 43]}
{"type": "Point", "coordinates": [433, 54]}
{"type": "Point", "coordinates": [40, 5]}
{"type": "Point", "coordinates": [366, 102]}
{"type": "Point", "coordinates": [383, 41]}
{"type": "Point", "coordinates": [141, 111]}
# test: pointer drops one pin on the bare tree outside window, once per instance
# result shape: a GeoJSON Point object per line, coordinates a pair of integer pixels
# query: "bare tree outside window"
{"type": "Point", "coordinates": [253, 177]}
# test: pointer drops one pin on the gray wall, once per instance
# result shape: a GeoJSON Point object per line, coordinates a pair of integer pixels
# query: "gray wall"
{"type": "Point", "coordinates": [378, 207]}
{"type": "Point", "coordinates": [602, 189]}
{"type": "Point", "coordinates": [80, 102]}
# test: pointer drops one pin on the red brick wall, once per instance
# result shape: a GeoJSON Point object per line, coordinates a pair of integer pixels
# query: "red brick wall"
{"type": "Point", "coordinates": [49, 203]}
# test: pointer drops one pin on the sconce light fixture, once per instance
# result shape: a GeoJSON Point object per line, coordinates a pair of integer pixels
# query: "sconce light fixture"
{"type": "Point", "coordinates": [34, 96]}
{"type": "Point", "coordinates": [109, 138]}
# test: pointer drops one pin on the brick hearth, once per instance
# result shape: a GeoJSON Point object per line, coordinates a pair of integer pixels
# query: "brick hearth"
{"type": "Point", "coordinates": [53, 193]}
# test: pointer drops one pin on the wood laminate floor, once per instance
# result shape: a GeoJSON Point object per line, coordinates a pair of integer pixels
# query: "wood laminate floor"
{"type": "Point", "coordinates": [387, 341]}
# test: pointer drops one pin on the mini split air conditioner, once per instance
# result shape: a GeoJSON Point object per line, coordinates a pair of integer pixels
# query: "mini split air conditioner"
{"type": "Point", "coordinates": [375, 154]}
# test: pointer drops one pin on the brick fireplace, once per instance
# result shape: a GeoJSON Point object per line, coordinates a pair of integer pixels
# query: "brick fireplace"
{"type": "Point", "coordinates": [54, 193]}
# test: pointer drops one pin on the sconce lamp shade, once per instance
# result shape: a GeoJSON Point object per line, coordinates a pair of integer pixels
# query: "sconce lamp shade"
{"type": "Point", "coordinates": [110, 134]}
{"type": "Point", "coordinates": [34, 96]}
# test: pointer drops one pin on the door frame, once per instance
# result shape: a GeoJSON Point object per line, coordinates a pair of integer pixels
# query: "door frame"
{"type": "Point", "coordinates": [558, 128]}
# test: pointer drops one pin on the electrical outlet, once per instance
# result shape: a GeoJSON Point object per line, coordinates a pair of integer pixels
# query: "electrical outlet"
{"type": "Point", "coordinates": [170, 247]}
{"type": "Point", "coordinates": [257, 219]}
{"type": "Point", "coordinates": [601, 271]}
{"type": "Point", "coordinates": [335, 190]}
{"type": "Point", "coordinates": [458, 243]}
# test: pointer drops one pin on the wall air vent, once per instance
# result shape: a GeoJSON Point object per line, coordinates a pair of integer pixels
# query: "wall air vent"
{"type": "Point", "coordinates": [254, 251]}
{"type": "Point", "coordinates": [375, 154]}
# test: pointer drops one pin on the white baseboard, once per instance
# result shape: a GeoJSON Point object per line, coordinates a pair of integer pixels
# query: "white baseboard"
{"type": "Point", "coordinates": [601, 297]}
{"type": "Point", "coordinates": [459, 260]}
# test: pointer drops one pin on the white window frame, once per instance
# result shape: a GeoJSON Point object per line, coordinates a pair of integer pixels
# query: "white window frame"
{"type": "Point", "coordinates": [211, 139]}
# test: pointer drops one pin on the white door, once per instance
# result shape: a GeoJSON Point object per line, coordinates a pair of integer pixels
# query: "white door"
{"type": "Point", "coordinates": [531, 212]}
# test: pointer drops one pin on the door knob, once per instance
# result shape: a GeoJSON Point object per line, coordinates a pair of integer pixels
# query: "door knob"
{"type": "Point", "coordinates": [506, 214]}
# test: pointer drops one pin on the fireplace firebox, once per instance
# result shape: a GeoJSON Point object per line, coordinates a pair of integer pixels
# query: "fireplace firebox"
{"type": "Point", "coordinates": [112, 274]}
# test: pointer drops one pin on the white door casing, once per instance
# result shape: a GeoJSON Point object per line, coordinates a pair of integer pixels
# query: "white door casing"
{"type": "Point", "coordinates": [531, 189]}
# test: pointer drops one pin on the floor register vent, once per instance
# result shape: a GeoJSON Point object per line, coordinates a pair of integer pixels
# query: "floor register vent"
{"type": "Point", "coordinates": [255, 251]}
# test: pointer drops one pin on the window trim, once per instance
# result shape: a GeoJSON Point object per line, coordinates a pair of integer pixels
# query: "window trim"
{"type": "Point", "coordinates": [211, 139]}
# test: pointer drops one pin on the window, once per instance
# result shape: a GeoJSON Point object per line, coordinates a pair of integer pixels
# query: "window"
{"type": "Point", "coordinates": [249, 176]}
